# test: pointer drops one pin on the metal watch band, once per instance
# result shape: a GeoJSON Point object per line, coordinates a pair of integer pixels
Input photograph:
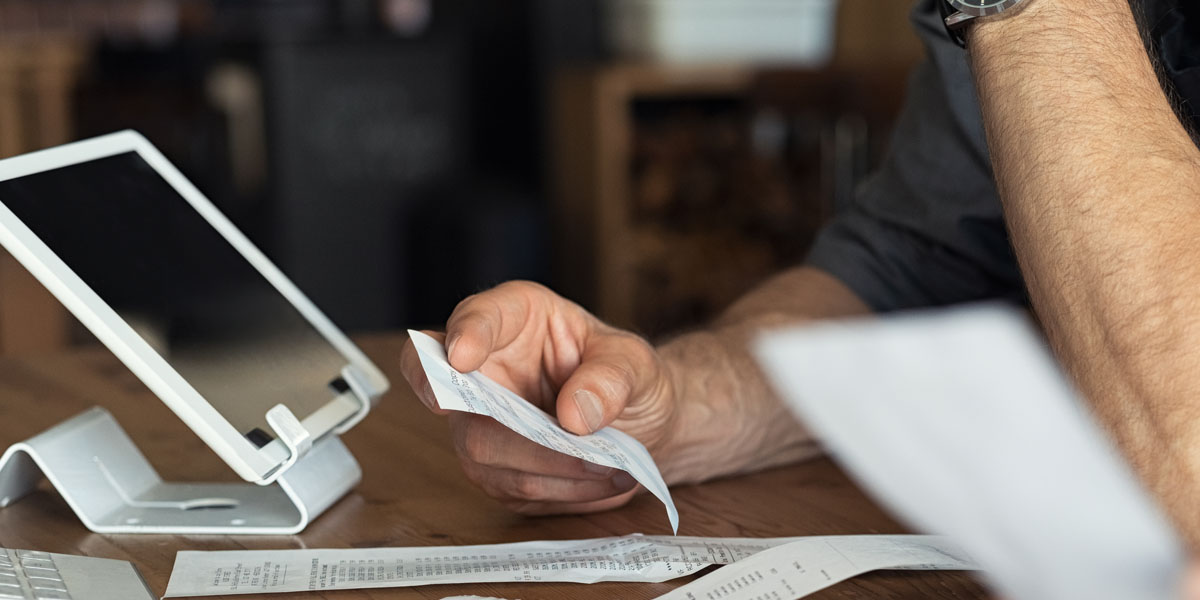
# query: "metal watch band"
{"type": "Point", "coordinates": [954, 22]}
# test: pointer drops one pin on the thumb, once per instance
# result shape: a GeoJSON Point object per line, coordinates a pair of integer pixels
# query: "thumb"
{"type": "Point", "coordinates": [609, 377]}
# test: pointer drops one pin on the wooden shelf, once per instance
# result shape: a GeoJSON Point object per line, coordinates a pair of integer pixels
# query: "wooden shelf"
{"type": "Point", "coordinates": [660, 223]}
{"type": "Point", "coordinates": [38, 75]}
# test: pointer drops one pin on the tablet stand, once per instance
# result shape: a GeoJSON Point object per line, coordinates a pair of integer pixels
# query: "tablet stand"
{"type": "Point", "coordinates": [113, 488]}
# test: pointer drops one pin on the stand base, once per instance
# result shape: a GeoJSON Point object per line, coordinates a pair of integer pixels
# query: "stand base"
{"type": "Point", "coordinates": [113, 489]}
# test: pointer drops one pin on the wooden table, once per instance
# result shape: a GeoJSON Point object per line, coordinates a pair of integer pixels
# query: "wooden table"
{"type": "Point", "coordinates": [414, 494]}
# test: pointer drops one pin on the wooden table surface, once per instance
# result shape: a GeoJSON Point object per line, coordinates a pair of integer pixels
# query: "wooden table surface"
{"type": "Point", "coordinates": [414, 494]}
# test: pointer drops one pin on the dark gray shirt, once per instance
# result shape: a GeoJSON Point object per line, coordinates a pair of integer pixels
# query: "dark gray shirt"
{"type": "Point", "coordinates": [927, 229]}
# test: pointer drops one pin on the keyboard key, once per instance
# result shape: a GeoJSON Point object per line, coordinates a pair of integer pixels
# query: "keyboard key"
{"type": "Point", "coordinates": [47, 584]}
{"type": "Point", "coordinates": [29, 575]}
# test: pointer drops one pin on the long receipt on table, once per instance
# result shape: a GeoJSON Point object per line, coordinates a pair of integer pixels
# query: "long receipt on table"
{"type": "Point", "coordinates": [796, 565]}
{"type": "Point", "coordinates": [476, 393]}
{"type": "Point", "coordinates": [799, 568]}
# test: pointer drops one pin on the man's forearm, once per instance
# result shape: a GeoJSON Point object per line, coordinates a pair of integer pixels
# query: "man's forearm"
{"type": "Point", "coordinates": [1100, 184]}
{"type": "Point", "coordinates": [731, 421]}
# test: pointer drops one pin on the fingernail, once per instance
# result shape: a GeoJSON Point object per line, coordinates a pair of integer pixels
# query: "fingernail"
{"type": "Point", "coordinates": [596, 469]}
{"type": "Point", "coordinates": [590, 409]}
{"type": "Point", "coordinates": [623, 481]}
{"type": "Point", "coordinates": [450, 346]}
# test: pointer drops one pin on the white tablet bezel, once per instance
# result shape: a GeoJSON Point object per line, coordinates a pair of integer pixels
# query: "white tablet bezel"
{"type": "Point", "coordinates": [259, 465]}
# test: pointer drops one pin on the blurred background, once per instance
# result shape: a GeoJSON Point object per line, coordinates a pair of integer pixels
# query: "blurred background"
{"type": "Point", "coordinates": [650, 159]}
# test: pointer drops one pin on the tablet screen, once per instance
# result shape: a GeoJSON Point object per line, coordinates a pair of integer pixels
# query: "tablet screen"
{"type": "Point", "coordinates": [179, 283]}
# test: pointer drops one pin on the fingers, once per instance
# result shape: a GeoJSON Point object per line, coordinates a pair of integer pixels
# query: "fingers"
{"type": "Point", "coordinates": [486, 322]}
{"type": "Point", "coordinates": [484, 442]}
{"type": "Point", "coordinates": [517, 487]}
{"type": "Point", "coordinates": [571, 508]}
{"type": "Point", "coordinates": [550, 351]}
{"type": "Point", "coordinates": [616, 367]}
{"type": "Point", "coordinates": [517, 471]}
{"type": "Point", "coordinates": [410, 366]}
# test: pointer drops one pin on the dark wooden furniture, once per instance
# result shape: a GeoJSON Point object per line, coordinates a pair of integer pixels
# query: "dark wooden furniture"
{"type": "Point", "coordinates": [677, 188]}
{"type": "Point", "coordinates": [38, 80]}
{"type": "Point", "coordinates": [414, 493]}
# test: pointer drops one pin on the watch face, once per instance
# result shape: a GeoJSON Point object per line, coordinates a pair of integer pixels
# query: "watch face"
{"type": "Point", "coordinates": [980, 8]}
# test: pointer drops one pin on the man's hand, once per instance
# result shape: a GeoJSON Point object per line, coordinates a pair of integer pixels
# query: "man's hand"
{"type": "Point", "coordinates": [561, 358]}
{"type": "Point", "coordinates": [698, 403]}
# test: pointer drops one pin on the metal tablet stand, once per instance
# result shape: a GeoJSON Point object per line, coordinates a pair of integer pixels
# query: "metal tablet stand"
{"type": "Point", "coordinates": [113, 488]}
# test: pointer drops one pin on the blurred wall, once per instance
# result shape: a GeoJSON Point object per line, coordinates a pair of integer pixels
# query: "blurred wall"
{"type": "Point", "coordinates": [392, 156]}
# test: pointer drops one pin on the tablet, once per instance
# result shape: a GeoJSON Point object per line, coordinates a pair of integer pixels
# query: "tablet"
{"type": "Point", "coordinates": [186, 301]}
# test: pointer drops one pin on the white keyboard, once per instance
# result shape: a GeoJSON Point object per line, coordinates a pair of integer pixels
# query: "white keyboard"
{"type": "Point", "coordinates": [29, 575]}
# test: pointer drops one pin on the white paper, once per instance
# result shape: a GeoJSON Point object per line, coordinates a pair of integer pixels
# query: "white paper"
{"type": "Point", "coordinates": [961, 422]}
{"type": "Point", "coordinates": [797, 569]}
{"type": "Point", "coordinates": [633, 558]}
{"type": "Point", "coordinates": [476, 393]}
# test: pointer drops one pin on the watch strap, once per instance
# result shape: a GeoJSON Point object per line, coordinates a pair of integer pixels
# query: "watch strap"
{"type": "Point", "coordinates": [955, 33]}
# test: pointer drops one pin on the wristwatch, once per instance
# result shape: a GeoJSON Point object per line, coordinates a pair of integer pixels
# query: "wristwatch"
{"type": "Point", "coordinates": [957, 14]}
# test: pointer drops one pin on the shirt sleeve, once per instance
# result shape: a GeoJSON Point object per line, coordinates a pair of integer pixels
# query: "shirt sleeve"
{"type": "Point", "coordinates": [927, 229]}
